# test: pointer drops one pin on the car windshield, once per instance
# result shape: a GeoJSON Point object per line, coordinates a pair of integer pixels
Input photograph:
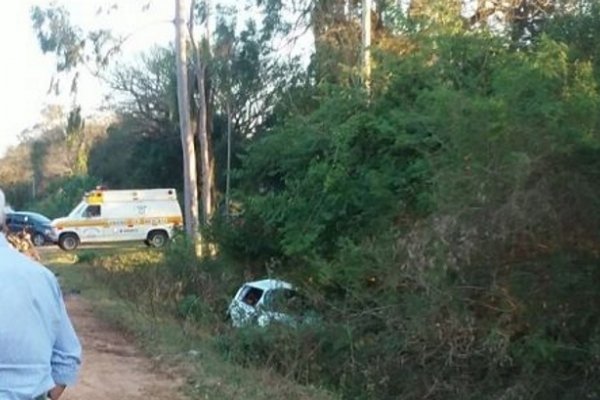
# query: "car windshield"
{"type": "Point", "coordinates": [251, 295]}
{"type": "Point", "coordinates": [77, 210]}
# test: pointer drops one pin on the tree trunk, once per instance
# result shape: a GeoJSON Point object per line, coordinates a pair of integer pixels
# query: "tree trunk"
{"type": "Point", "coordinates": [205, 159]}
{"type": "Point", "coordinates": [366, 42]}
{"type": "Point", "coordinates": [203, 121]}
{"type": "Point", "coordinates": [190, 179]}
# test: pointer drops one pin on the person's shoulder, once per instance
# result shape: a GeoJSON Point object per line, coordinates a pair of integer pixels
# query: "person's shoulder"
{"type": "Point", "coordinates": [48, 274]}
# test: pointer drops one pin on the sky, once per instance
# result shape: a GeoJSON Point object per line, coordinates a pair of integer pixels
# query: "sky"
{"type": "Point", "coordinates": [25, 73]}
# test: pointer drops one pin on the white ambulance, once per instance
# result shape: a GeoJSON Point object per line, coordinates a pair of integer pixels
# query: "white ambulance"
{"type": "Point", "coordinates": [149, 215]}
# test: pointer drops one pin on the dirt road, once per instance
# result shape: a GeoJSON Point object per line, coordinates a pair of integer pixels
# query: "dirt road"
{"type": "Point", "coordinates": [112, 367]}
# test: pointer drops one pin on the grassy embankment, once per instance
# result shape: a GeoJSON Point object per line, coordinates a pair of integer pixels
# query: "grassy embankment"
{"type": "Point", "coordinates": [186, 347]}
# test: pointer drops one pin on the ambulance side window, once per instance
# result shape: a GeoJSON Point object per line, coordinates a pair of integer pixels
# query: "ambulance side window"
{"type": "Point", "coordinates": [92, 211]}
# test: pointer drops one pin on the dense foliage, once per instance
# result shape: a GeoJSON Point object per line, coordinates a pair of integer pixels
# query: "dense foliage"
{"type": "Point", "coordinates": [450, 221]}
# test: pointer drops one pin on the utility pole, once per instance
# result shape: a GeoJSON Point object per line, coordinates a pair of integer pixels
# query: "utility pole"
{"type": "Point", "coordinates": [366, 43]}
{"type": "Point", "coordinates": [190, 181]}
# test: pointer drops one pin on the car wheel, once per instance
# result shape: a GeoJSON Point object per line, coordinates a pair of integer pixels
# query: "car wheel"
{"type": "Point", "coordinates": [38, 239]}
{"type": "Point", "coordinates": [158, 239]}
{"type": "Point", "coordinates": [68, 242]}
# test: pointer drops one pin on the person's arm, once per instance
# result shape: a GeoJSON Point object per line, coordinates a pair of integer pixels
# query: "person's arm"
{"type": "Point", "coordinates": [56, 392]}
{"type": "Point", "coordinates": [66, 354]}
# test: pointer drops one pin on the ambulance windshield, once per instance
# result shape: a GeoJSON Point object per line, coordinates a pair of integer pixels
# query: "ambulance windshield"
{"type": "Point", "coordinates": [78, 210]}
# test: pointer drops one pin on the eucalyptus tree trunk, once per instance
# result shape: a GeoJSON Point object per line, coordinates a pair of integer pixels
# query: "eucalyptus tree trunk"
{"type": "Point", "coordinates": [206, 151]}
{"type": "Point", "coordinates": [190, 181]}
{"type": "Point", "coordinates": [366, 42]}
{"type": "Point", "coordinates": [206, 166]}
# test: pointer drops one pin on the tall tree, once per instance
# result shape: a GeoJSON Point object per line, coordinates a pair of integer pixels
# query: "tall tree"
{"type": "Point", "coordinates": [75, 141]}
{"type": "Point", "coordinates": [366, 41]}
{"type": "Point", "coordinates": [187, 138]}
{"type": "Point", "coordinates": [521, 20]}
{"type": "Point", "coordinates": [57, 35]}
{"type": "Point", "coordinates": [203, 121]}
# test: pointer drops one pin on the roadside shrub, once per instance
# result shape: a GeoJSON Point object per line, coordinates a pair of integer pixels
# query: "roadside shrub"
{"type": "Point", "coordinates": [137, 277]}
{"type": "Point", "coordinates": [495, 302]}
{"type": "Point", "coordinates": [293, 351]}
{"type": "Point", "coordinates": [526, 330]}
{"type": "Point", "coordinates": [87, 256]}
{"type": "Point", "coordinates": [173, 280]}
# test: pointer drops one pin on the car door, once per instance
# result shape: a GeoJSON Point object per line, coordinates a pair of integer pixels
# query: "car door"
{"type": "Point", "coordinates": [93, 227]}
{"type": "Point", "coordinates": [275, 307]}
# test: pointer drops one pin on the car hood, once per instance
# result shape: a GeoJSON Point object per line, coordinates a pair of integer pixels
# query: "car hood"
{"type": "Point", "coordinates": [58, 221]}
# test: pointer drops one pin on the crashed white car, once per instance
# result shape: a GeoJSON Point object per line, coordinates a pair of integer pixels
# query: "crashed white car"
{"type": "Point", "coordinates": [266, 301]}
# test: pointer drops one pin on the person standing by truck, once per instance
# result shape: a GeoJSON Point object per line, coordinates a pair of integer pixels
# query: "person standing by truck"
{"type": "Point", "coordinates": [40, 354]}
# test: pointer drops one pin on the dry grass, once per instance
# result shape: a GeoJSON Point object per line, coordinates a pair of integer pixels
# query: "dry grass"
{"type": "Point", "coordinates": [187, 350]}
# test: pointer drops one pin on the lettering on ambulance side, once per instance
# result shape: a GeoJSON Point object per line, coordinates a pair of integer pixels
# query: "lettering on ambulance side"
{"type": "Point", "coordinates": [84, 223]}
{"type": "Point", "coordinates": [145, 221]}
{"type": "Point", "coordinates": [126, 230]}
{"type": "Point", "coordinates": [103, 223]}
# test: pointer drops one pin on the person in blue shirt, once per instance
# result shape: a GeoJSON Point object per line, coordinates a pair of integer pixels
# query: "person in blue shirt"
{"type": "Point", "coordinates": [40, 354]}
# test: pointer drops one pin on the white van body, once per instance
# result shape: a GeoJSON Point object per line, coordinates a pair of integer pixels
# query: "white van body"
{"type": "Point", "coordinates": [148, 215]}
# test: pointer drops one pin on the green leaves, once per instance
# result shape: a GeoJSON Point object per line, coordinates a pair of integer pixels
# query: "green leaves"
{"type": "Point", "coordinates": [71, 46]}
{"type": "Point", "coordinates": [340, 172]}
{"type": "Point", "coordinates": [56, 35]}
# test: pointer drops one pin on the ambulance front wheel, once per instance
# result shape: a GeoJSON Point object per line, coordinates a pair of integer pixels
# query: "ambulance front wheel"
{"type": "Point", "coordinates": [157, 239]}
{"type": "Point", "coordinates": [68, 241]}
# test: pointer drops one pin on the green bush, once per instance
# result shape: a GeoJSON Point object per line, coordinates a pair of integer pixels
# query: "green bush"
{"type": "Point", "coordinates": [87, 256]}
